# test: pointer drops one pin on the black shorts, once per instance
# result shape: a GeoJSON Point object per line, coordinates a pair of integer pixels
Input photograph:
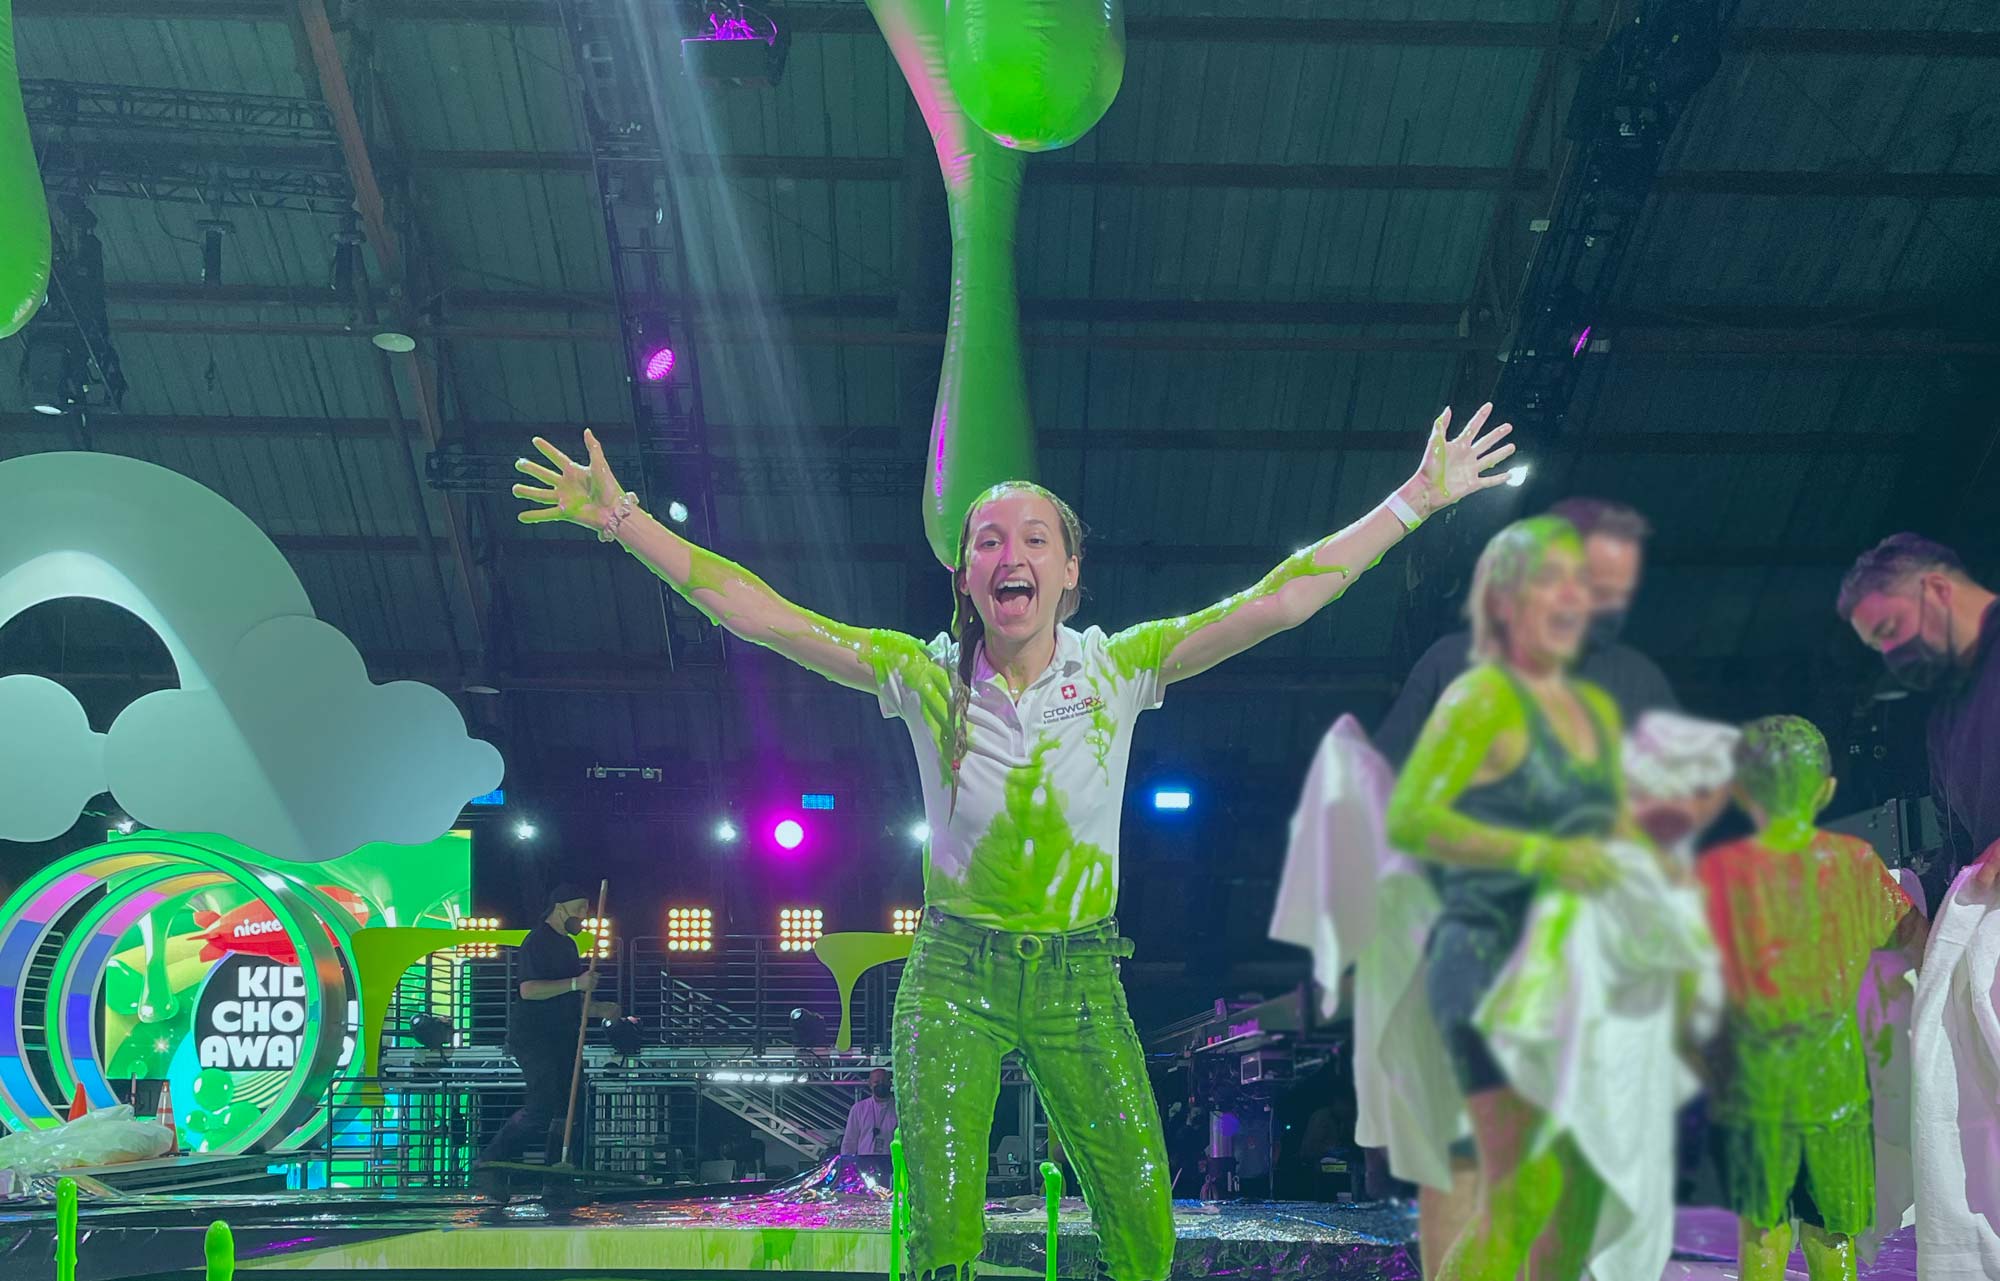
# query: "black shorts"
{"type": "Point", "coordinates": [1461, 960]}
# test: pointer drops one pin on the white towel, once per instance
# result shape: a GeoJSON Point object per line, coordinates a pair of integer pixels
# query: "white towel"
{"type": "Point", "coordinates": [1348, 898]}
{"type": "Point", "coordinates": [1582, 1020]}
{"type": "Point", "coordinates": [1888, 987]}
{"type": "Point", "coordinates": [1955, 1066]}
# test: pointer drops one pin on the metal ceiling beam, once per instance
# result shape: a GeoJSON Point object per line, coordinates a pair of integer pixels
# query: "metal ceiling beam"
{"type": "Point", "coordinates": [314, 36]}
{"type": "Point", "coordinates": [1855, 184]}
{"type": "Point", "coordinates": [559, 673]}
{"type": "Point", "coordinates": [845, 19]}
{"type": "Point", "coordinates": [1888, 315]}
{"type": "Point", "coordinates": [1694, 342]}
{"type": "Point", "coordinates": [783, 441]}
{"type": "Point", "coordinates": [1131, 555]}
{"type": "Point", "coordinates": [285, 167]}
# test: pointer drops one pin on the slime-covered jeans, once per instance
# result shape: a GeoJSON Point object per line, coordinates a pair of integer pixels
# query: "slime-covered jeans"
{"type": "Point", "coordinates": [968, 996]}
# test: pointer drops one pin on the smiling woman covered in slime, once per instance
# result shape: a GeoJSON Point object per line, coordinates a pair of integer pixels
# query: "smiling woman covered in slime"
{"type": "Point", "coordinates": [1023, 729]}
{"type": "Point", "coordinates": [1513, 787]}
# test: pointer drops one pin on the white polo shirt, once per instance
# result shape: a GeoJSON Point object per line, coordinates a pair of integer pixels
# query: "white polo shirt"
{"type": "Point", "coordinates": [1032, 844]}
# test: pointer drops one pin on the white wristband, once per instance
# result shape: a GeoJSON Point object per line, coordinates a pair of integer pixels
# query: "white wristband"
{"type": "Point", "coordinates": [1404, 512]}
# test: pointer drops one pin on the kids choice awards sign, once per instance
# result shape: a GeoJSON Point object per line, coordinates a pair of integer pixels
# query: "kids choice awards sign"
{"type": "Point", "coordinates": [252, 1017]}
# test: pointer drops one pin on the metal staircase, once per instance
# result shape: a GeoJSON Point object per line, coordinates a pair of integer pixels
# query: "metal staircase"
{"type": "Point", "coordinates": [807, 1116]}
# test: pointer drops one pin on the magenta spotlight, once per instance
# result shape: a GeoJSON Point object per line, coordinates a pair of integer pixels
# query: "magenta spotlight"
{"type": "Point", "coordinates": [660, 365]}
{"type": "Point", "coordinates": [788, 834]}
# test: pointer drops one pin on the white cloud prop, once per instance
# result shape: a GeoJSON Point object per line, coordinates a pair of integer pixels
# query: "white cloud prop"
{"type": "Point", "coordinates": [275, 738]}
{"type": "Point", "coordinates": [306, 756]}
{"type": "Point", "coordinates": [51, 761]}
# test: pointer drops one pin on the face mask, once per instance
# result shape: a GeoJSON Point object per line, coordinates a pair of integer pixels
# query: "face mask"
{"type": "Point", "coordinates": [1605, 628]}
{"type": "Point", "coordinates": [1916, 663]}
{"type": "Point", "coordinates": [572, 925]}
{"type": "Point", "coordinates": [882, 1091]}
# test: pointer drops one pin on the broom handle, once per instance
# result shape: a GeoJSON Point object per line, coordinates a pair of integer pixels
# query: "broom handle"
{"type": "Point", "coordinates": [582, 1029]}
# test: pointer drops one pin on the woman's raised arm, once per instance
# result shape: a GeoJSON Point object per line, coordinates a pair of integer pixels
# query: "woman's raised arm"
{"type": "Point", "coordinates": [733, 597]}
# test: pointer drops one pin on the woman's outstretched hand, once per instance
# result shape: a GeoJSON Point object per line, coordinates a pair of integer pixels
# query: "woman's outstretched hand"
{"type": "Point", "coordinates": [578, 493]}
{"type": "Point", "coordinates": [1455, 466]}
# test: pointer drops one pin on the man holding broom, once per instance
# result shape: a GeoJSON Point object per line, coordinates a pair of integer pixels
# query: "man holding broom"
{"type": "Point", "coordinates": [542, 1026]}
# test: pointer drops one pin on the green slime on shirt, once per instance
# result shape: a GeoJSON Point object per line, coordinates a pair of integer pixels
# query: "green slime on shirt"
{"type": "Point", "coordinates": [1029, 868]}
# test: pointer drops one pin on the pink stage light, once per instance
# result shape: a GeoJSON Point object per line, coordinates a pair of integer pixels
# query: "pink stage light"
{"type": "Point", "coordinates": [788, 834]}
{"type": "Point", "coordinates": [660, 365]}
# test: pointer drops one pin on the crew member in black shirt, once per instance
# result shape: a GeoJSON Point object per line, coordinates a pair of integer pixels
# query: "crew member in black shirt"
{"type": "Point", "coordinates": [1614, 538]}
{"type": "Point", "coordinates": [542, 1026]}
{"type": "Point", "coordinates": [1910, 600]}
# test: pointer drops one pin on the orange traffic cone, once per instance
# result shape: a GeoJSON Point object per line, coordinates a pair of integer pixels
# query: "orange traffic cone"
{"type": "Point", "coordinates": [165, 1116]}
{"type": "Point", "coordinates": [79, 1106]}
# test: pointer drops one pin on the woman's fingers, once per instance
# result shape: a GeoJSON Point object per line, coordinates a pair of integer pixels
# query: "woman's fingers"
{"type": "Point", "coordinates": [1482, 445]}
{"type": "Point", "coordinates": [1474, 423]}
{"type": "Point", "coordinates": [528, 467]}
{"type": "Point", "coordinates": [535, 495]}
{"type": "Point", "coordinates": [554, 455]}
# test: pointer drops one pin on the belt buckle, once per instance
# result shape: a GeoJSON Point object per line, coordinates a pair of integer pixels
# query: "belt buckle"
{"type": "Point", "coordinates": [1029, 946]}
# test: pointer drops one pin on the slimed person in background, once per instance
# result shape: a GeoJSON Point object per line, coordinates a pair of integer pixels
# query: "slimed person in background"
{"type": "Point", "coordinates": [1796, 911]}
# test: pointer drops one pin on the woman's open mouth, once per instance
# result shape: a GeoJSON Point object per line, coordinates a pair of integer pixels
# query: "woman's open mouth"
{"type": "Point", "coordinates": [1013, 600]}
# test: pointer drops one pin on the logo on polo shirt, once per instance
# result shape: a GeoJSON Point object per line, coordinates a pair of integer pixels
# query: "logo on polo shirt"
{"type": "Point", "coordinates": [1071, 706]}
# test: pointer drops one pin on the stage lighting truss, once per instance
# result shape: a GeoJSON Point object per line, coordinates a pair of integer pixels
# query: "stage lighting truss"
{"type": "Point", "coordinates": [799, 928]}
{"type": "Point", "coordinates": [599, 929]}
{"type": "Point", "coordinates": [478, 951]}
{"type": "Point", "coordinates": [690, 929]}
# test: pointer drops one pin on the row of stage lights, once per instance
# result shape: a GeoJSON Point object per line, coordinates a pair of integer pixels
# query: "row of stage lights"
{"type": "Point", "coordinates": [791, 833]}
{"type": "Point", "coordinates": [692, 929]}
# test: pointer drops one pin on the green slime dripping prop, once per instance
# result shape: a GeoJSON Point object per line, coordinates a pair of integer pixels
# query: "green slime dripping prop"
{"type": "Point", "coordinates": [24, 213]}
{"type": "Point", "coordinates": [1052, 1189]}
{"type": "Point", "coordinates": [66, 1230]}
{"type": "Point", "coordinates": [219, 1249]}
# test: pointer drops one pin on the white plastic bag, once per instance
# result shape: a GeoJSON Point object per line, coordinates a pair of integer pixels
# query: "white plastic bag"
{"type": "Point", "coordinates": [108, 1136]}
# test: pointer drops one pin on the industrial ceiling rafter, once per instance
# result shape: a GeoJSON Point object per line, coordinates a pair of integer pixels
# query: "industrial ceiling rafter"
{"type": "Point", "coordinates": [838, 440]}
{"type": "Point", "coordinates": [289, 147]}
{"type": "Point", "coordinates": [615, 673]}
{"type": "Point", "coordinates": [850, 19]}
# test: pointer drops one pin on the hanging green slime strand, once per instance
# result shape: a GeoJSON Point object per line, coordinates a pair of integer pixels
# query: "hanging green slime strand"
{"type": "Point", "coordinates": [24, 212]}
{"type": "Point", "coordinates": [980, 429]}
